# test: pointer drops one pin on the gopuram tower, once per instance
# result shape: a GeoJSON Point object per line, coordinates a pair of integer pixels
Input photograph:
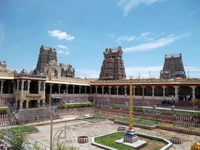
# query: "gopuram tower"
{"type": "Point", "coordinates": [46, 55]}
{"type": "Point", "coordinates": [113, 65]}
{"type": "Point", "coordinates": [173, 67]}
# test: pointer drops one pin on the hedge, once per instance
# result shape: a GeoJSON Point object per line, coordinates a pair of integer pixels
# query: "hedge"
{"type": "Point", "coordinates": [4, 110]}
{"type": "Point", "coordinates": [64, 106]}
{"type": "Point", "coordinates": [115, 106]}
{"type": "Point", "coordinates": [196, 115]}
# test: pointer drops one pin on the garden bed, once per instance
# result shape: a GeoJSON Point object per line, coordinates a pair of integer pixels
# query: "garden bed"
{"type": "Point", "coordinates": [109, 142]}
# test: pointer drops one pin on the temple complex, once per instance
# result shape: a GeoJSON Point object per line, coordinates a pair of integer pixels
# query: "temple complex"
{"type": "Point", "coordinates": [57, 85]}
{"type": "Point", "coordinates": [173, 67]}
{"type": "Point", "coordinates": [113, 65]}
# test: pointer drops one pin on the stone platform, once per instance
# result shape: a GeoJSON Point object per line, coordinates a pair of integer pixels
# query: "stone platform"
{"type": "Point", "coordinates": [136, 145]}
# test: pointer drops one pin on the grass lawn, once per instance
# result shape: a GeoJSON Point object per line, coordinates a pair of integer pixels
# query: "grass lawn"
{"type": "Point", "coordinates": [94, 119]}
{"type": "Point", "coordinates": [22, 128]}
{"type": "Point", "coordinates": [182, 127]}
{"type": "Point", "coordinates": [138, 121]}
{"type": "Point", "coordinates": [109, 140]}
{"type": "Point", "coordinates": [150, 123]}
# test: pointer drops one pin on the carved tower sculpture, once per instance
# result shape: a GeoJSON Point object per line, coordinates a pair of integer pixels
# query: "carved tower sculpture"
{"type": "Point", "coordinates": [113, 65]}
{"type": "Point", "coordinates": [46, 55]}
{"type": "Point", "coordinates": [173, 67]}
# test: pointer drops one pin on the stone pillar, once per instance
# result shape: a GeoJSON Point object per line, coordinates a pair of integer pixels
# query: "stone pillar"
{"type": "Point", "coordinates": [22, 88]}
{"type": "Point", "coordinates": [73, 89]}
{"type": "Point", "coordinates": [153, 91]}
{"type": "Point", "coordinates": [125, 93]}
{"type": "Point", "coordinates": [193, 93]}
{"type": "Point", "coordinates": [164, 92]}
{"type": "Point", "coordinates": [1, 86]}
{"type": "Point", "coordinates": [102, 90]}
{"type": "Point", "coordinates": [39, 86]}
{"type": "Point", "coordinates": [96, 89]}
{"type": "Point", "coordinates": [134, 90]}
{"type": "Point", "coordinates": [79, 89]}
{"type": "Point", "coordinates": [44, 88]}
{"type": "Point", "coordinates": [50, 94]}
{"type": "Point", "coordinates": [90, 89]}
{"type": "Point", "coordinates": [27, 103]}
{"type": "Point", "coordinates": [109, 90]}
{"type": "Point", "coordinates": [38, 103]}
{"type": "Point", "coordinates": [143, 93]}
{"type": "Point", "coordinates": [17, 85]}
{"type": "Point", "coordinates": [85, 89]}
{"type": "Point", "coordinates": [43, 104]}
{"type": "Point", "coordinates": [59, 88]}
{"type": "Point", "coordinates": [176, 92]}
{"type": "Point", "coordinates": [28, 86]}
{"type": "Point", "coordinates": [117, 90]}
{"type": "Point", "coordinates": [66, 90]}
{"type": "Point", "coordinates": [21, 104]}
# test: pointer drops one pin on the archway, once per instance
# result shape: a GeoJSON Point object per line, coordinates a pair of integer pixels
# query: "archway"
{"type": "Point", "coordinates": [24, 104]}
{"type": "Point", "coordinates": [33, 104]}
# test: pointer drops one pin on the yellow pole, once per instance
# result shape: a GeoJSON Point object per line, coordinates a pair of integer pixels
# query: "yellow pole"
{"type": "Point", "coordinates": [51, 133]}
{"type": "Point", "coordinates": [131, 107]}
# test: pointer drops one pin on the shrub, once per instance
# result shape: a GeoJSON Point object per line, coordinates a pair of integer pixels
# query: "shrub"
{"type": "Point", "coordinates": [90, 105]}
{"type": "Point", "coordinates": [115, 106]}
{"type": "Point", "coordinates": [140, 109]}
{"type": "Point", "coordinates": [4, 110]}
{"type": "Point", "coordinates": [71, 106]}
{"type": "Point", "coordinates": [78, 105]}
{"type": "Point", "coordinates": [196, 115]}
{"type": "Point", "coordinates": [61, 106]}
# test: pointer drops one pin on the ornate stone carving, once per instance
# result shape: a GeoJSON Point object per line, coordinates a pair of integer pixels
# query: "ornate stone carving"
{"type": "Point", "coordinates": [46, 55]}
{"type": "Point", "coordinates": [173, 67]}
{"type": "Point", "coordinates": [113, 65]}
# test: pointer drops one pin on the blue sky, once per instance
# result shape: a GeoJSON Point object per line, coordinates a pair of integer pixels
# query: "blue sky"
{"type": "Point", "coordinates": [80, 30]}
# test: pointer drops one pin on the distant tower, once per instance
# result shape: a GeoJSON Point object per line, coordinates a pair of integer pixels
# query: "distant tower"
{"type": "Point", "coordinates": [3, 64]}
{"type": "Point", "coordinates": [173, 67]}
{"type": "Point", "coordinates": [113, 65]}
{"type": "Point", "coordinates": [46, 55]}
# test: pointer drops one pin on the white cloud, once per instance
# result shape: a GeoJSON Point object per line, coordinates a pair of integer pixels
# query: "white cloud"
{"type": "Point", "coordinates": [62, 52]}
{"type": "Point", "coordinates": [145, 34]}
{"type": "Point", "coordinates": [192, 13]}
{"type": "Point", "coordinates": [63, 47]}
{"type": "Point", "coordinates": [125, 38]}
{"type": "Point", "coordinates": [110, 35]}
{"type": "Point", "coordinates": [60, 35]}
{"type": "Point", "coordinates": [155, 43]}
{"type": "Point", "coordinates": [127, 5]}
{"type": "Point", "coordinates": [87, 73]}
{"type": "Point", "coordinates": [60, 21]}
{"type": "Point", "coordinates": [16, 46]}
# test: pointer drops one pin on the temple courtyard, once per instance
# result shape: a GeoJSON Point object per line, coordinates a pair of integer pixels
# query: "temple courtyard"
{"type": "Point", "coordinates": [86, 128]}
